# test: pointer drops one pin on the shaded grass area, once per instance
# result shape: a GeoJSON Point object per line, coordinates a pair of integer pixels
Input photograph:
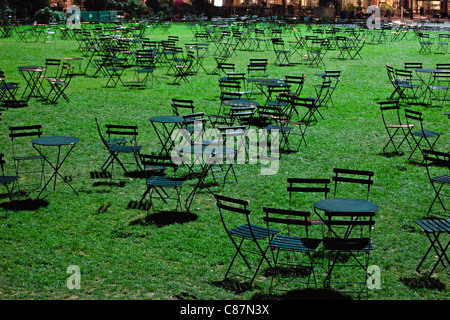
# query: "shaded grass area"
{"type": "Point", "coordinates": [125, 253]}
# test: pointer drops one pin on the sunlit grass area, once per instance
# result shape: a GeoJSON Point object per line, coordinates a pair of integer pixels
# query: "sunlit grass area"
{"type": "Point", "coordinates": [126, 252]}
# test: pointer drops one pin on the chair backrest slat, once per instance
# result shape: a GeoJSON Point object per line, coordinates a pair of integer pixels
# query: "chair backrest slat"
{"type": "Point", "coordinates": [128, 130]}
{"type": "Point", "coordinates": [25, 131]}
{"type": "Point", "coordinates": [318, 187]}
{"type": "Point", "coordinates": [362, 177]}
{"type": "Point", "coordinates": [436, 158]}
{"type": "Point", "coordinates": [179, 105]}
{"type": "Point", "coordinates": [348, 225]}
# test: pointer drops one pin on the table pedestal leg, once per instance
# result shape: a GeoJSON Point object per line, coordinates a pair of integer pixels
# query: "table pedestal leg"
{"type": "Point", "coordinates": [56, 169]}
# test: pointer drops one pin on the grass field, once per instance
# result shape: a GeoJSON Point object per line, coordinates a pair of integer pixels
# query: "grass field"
{"type": "Point", "coordinates": [126, 253]}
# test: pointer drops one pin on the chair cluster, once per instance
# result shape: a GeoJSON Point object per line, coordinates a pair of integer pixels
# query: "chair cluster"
{"type": "Point", "coordinates": [404, 123]}
{"type": "Point", "coordinates": [427, 42]}
{"type": "Point", "coordinates": [312, 49]}
{"type": "Point", "coordinates": [113, 57]}
{"type": "Point", "coordinates": [285, 109]}
{"type": "Point", "coordinates": [416, 85]}
{"type": "Point", "coordinates": [37, 32]}
{"type": "Point", "coordinates": [410, 128]}
{"type": "Point", "coordinates": [47, 83]}
{"type": "Point", "coordinates": [289, 242]}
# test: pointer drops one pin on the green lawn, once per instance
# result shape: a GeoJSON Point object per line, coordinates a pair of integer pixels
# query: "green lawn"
{"type": "Point", "coordinates": [124, 253]}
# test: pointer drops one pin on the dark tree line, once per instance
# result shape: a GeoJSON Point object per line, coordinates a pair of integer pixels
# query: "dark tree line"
{"type": "Point", "coordinates": [21, 9]}
{"type": "Point", "coordinates": [25, 10]}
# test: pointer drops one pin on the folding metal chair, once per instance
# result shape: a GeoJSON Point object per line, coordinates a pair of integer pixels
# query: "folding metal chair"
{"type": "Point", "coordinates": [316, 52]}
{"type": "Point", "coordinates": [310, 104]}
{"type": "Point", "coordinates": [261, 42]}
{"type": "Point", "coordinates": [240, 78]}
{"type": "Point", "coordinates": [256, 70]}
{"type": "Point", "coordinates": [145, 68]}
{"type": "Point", "coordinates": [315, 186]}
{"type": "Point", "coordinates": [434, 229]}
{"type": "Point", "coordinates": [117, 143]}
{"type": "Point", "coordinates": [331, 79]}
{"type": "Point", "coordinates": [173, 56]}
{"type": "Point", "coordinates": [60, 84]}
{"type": "Point", "coordinates": [245, 236]}
{"type": "Point", "coordinates": [8, 93]}
{"type": "Point", "coordinates": [238, 40]}
{"type": "Point", "coordinates": [309, 190]}
{"type": "Point", "coordinates": [393, 80]}
{"type": "Point", "coordinates": [442, 44]}
{"type": "Point", "coordinates": [184, 69]}
{"type": "Point", "coordinates": [274, 88]}
{"type": "Point", "coordinates": [356, 48]}
{"type": "Point", "coordinates": [7, 180]}
{"type": "Point", "coordinates": [224, 45]}
{"type": "Point", "coordinates": [100, 63]}
{"type": "Point", "coordinates": [288, 248]}
{"type": "Point", "coordinates": [394, 125]}
{"type": "Point", "coordinates": [195, 124]}
{"type": "Point", "coordinates": [422, 135]}
{"type": "Point", "coordinates": [439, 87]}
{"type": "Point", "coordinates": [230, 86]}
{"type": "Point", "coordinates": [425, 42]}
{"type": "Point", "coordinates": [282, 54]}
{"type": "Point", "coordinates": [23, 152]}
{"type": "Point", "coordinates": [348, 244]}
{"type": "Point", "coordinates": [235, 138]}
{"type": "Point", "coordinates": [412, 65]}
{"type": "Point", "coordinates": [22, 34]}
{"type": "Point", "coordinates": [51, 71]}
{"type": "Point", "coordinates": [160, 184]}
{"type": "Point", "coordinates": [222, 117]}
{"type": "Point", "coordinates": [344, 47]}
{"type": "Point", "coordinates": [296, 83]}
{"type": "Point", "coordinates": [114, 69]}
{"type": "Point", "coordinates": [285, 119]}
{"type": "Point", "coordinates": [324, 91]}
{"type": "Point", "coordinates": [438, 171]}
{"type": "Point", "coordinates": [198, 52]}
{"type": "Point", "coordinates": [222, 66]}
{"type": "Point", "coordinates": [408, 87]}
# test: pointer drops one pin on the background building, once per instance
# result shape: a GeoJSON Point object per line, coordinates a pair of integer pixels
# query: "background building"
{"type": "Point", "coordinates": [424, 8]}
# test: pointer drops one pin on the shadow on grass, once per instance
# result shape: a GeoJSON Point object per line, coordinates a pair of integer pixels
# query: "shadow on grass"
{"type": "Point", "coordinates": [25, 204]}
{"type": "Point", "coordinates": [233, 285]}
{"type": "Point", "coordinates": [291, 272]}
{"type": "Point", "coordinates": [423, 282]}
{"type": "Point", "coordinates": [304, 294]}
{"type": "Point", "coordinates": [139, 174]}
{"type": "Point", "coordinates": [239, 287]}
{"type": "Point", "coordinates": [139, 205]}
{"type": "Point", "coordinates": [186, 296]}
{"type": "Point", "coordinates": [100, 175]}
{"type": "Point", "coordinates": [165, 218]}
{"type": "Point", "coordinates": [391, 154]}
{"type": "Point", "coordinates": [108, 175]}
{"type": "Point", "coordinates": [105, 175]}
{"type": "Point", "coordinates": [119, 184]}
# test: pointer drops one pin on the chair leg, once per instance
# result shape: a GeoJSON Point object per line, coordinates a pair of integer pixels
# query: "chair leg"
{"type": "Point", "coordinates": [10, 199]}
{"type": "Point", "coordinates": [440, 252]}
{"type": "Point", "coordinates": [238, 252]}
{"type": "Point", "coordinates": [437, 197]}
